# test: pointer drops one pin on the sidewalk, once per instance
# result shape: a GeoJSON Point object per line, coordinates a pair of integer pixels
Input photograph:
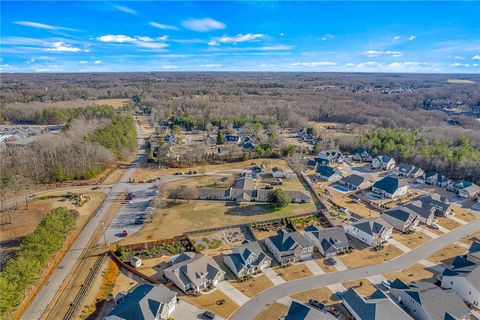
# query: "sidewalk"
{"type": "Point", "coordinates": [313, 267]}
{"type": "Point", "coordinates": [232, 292]}
{"type": "Point", "coordinates": [273, 276]}
{"type": "Point", "coordinates": [399, 245]}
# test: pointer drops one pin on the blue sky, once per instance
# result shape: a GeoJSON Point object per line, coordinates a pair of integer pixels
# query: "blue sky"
{"type": "Point", "coordinates": [240, 36]}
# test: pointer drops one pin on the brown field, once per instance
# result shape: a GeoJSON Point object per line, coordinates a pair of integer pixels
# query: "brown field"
{"type": "Point", "coordinates": [469, 239]}
{"type": "Point", "coordinates": [197, 215]}
{"type": "Point", "coordinates": [324, 295]}
{"type": "Point", "coordinates": [322, 262]}
{"type": "Point", "coordinates": [252, 286]}
{"type": "Point", "coordinates": [356, 208]}
{"type": "Point", "coordinates": [275, 311]}
{"type": "Point", "coordinates": [209, 302]}
{"type": "Point", "coordinates": [412, 273]}
{"type": "Point", "coordinates": [294, 271]}
{"type": "Point", "coordinates": [448, 223]}
{"type": "Point", "coordinates": [411, 240]}
{"type": "Point", "coordinates": [363, 286]}
{"type": "Point", "coordinates": [447, 254]}
{"type": "Point", "coordinates": [464, 214]}
{"type": "Point", "coordinates": [368, 256]}
{"type": "Point", "coordinates": [203, 182]}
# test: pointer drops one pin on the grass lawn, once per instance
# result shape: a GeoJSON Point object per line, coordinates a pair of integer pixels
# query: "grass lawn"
{"type": "Point", "coordinates": [448, 223]}
{"type": "Point", "coordinates": [252, 286]}
{"type": "Point", "coordinates": [327, 267]}
{"type": "Point", "coordinates": [324, 295]}
{"type": "Point", "coordinates": [470, 238]}
{"type": "Point", "coordinates": [294, 271]}
{"type": "Point", "coordinates": [363, 286]}
{"type": "Point", "coordinates": [274, 311]}
{"type": "Point", "coordinates": [178, 218]}
{"type": "Point", "coordinates": [368, 256]}
{"type": "Point", "coordinates": [412, 273]}
{"type": "Point", "coordinates": [204, 182]}
{"type": "Point", "coordinates": [464, 214]}
{"type": "Point", "coordinates": [354, 208]}
{"type": "Point", "coordinates": [209, 302]}
{"type": "Point", "coordinates": [447, 254]}
{"type": "Point", "coordinates": [411, 240]}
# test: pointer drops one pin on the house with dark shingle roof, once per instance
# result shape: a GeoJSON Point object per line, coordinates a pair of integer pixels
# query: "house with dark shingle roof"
{"type": "Point", "coordinates": [465, 189]}
{"type": "Point", "coordinates": [355, 182]}
{"type": "Point", "coordinates": [408, 171]}
{"type": "Point", "coordinates": [473, 253]}
{"type": "Point", "coordinates": [328, 173]}
{"type": "Point", "coordinates": [426, 301]}
{"type": "Point", "coordinates": [390, 187]}
{"type": "Point", "coordinates": [300, 311]}
{"type": "Point", "coordinates": [145, 302]}
{"type": "Point", "coordinates": [378, 306]}
{"type": "Point", "coordinates": [362, 155]}
{"type": "Point", "coordinates": [329, 241]}
{"type": "Point", "coordinates": [329, 156]}
{"type": "Point", "coordinates": [289, 247]}
{"type": "Point", "coordinates": [247, 259]}
{"type": "Point", "coordinates": [194, 271]}
{"type": "Point", "coordinates": [433, 178]}
{"type": "Point", "coordinates": [311, 164]}
{"type": "Point", "coordinates": [383, 161]}
{"type": "Point", "coordinates": [372, 231]}
{"type": "Point", "coordinates": [401, 218]}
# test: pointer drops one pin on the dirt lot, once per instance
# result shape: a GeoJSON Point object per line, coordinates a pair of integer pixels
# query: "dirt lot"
{"type": "Point", "coordinates": [253, 286]}
{"type": "Point", "coordinates": [363, 286]}
{"type": "Point", "coordinates": [412, 273]}
{"type": "Point", "coordinates": [209, 302]}
{"type": "Point", "coordinates": [411, 240]}
{"type": "Point", "coordinates": [357, 209]}
{"type": "Point", "coordinates": [448, 223]}
{"type": "Point", "coordinates": [197, 215]}
{"type": "Point", "coordinates": [368, 256]}
{"type": "Point", "coordinates": [447, 254]}
{"type": "Point", "coordinates": [294, 271]}
{"type": "Point", "coordinates": [214, 243]}
{"type": "Point", "coordinates": [275, 311]}
{"type": "Point", "coordinates": [203, 182]}
{"type": "Point", "coordinates": [470, 238]}
{"type": "Point", "coordinates": [301, 223]}
{"type": "Point", "coordinates": [324, 295]}
{"type": "Point", "coordinates": [464, 214]}
{"type": "Point", "coordinates": [154, 267]}
{"type": "Point", "coordinates": [323, 263]}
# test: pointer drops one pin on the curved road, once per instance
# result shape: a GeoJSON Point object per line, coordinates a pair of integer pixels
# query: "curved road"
{"type": "Point", "coordinates": [255, 305]}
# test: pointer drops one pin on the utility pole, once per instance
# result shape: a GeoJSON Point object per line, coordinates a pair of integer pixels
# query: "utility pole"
{"type": "Point", "coordinates": [104, 237]}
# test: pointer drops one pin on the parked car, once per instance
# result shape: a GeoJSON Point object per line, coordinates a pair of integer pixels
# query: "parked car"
{"type": "Point", "coordinates": [178, 173]}
{"type": "Point", "coordinates": [124, 233]}
{"type": "Point", "coordinates": [435, 226]}
{"type": "Point", "coordinates": [268, 186]}
{"type": "Point", "coordinates": [386, 284]}
{"type": "Point", "coordinates": [135, 262]}
{"type": "Point", "coordinates": [316, 303]}
{"type": "Point", "coordinates": [209, 315]}
{"type": "Point", "coordinates": [332, 261]}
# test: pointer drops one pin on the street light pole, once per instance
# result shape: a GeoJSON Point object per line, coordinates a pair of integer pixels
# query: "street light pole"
{"type": "Point", "coordinates": [104, 237]}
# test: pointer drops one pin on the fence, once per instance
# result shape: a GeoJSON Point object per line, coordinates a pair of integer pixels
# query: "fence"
{"type": "Point", "coordinates": [155, 243]}
{"type": "Point", "coordinates": [122, 264]}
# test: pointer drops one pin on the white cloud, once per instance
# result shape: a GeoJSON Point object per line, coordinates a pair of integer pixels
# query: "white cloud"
{"type": "Point", "coordinates": [476, 57]}
{"type": "Point", "coordinates": [274, 48]}
{"type": "Point", "coordinates": [140, 41]}
{"type": "Point", "coordinates": [125, 9]}
{"type": "Point", "coordinates": [98, 62]}
{"type": "Point", "coordinates": [41, 25]}
{"type": "Point", "coordinates": [162, 26]}
{"type": "Point", "coordinates": [327, 37]}
{"type": "Point", "coordinates": [203, 25]}
{"type": "Point", "coordinates": [63, 47]}
{"type": "Point", "coordinates": [396, 38]}
{"type": "Point", "coordinates": [83, 62]}
{"type": "Point", "coordinates": [167, 67]}
{"type": "Point", "coordinates": [151, 45]}
{"type": "Point", "coordinates": [412, 38]}
{"type": "Point", "coordinates": [368, 64]}
{"type": "Point", "coordinates": [457, 64]}
{"type": "Point", "coordinates": [349, 64]}
{"type": "Point", "coordinates": [119, 38]}
{"type": "Point", "coordinates": [236, 39]}
{"type": "Point", "coordinates": [282, 34]}
{"type": "Point", "coordinates": [376, 53]}
{"type": "Point", "coordinates": [211, 65]}
{"type": "Point", "coordinates": [315, 64]}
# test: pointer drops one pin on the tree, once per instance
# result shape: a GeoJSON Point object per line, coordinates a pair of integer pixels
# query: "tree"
{"type": "Point", "coordinates": [278, 198]}
{"type": "Point", "coordinates": [220, 137]}
{"type": "Point", "coordinates": [289, 150]}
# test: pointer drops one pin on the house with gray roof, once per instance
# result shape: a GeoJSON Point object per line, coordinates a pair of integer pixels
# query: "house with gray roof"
{"type": "Point", "coordinates": [355, 182]}
{"type": "Point", "coordinates": [329, 156]}
{"type": "Point", "coordinates": [426, 301]}
{"type": "Point", "coordinates": [289, 247]}
{"type": "Point", "coordinates": [378, 306]}
{"type": "Point", "coordinates": [328, 173]}
{"type": "Point", "coordinates": [401, 218]}
{"type": "Point", "coordinates": [473, 253]}
{"type": "Point", "coordinates": [194, 271]}
{"type": "Point", "coordinates": [408, 170]}
{"type": "Point", "coordinates": [300, 311]}
{"type": "Point", "coordinates": [372, 231]}
{"type": "Point", "coordinates": [384, 162]}
{"type": "Point", "coordinates": [390, 187]}
{"type": "Point", "coordinates": [362, 155]}
{"type": "Point", "coordinates": [329, 241]}
{"type": "Point", "coordinates": [465, 189]}
{"type": "Point", "coordinates": [436, 203]}
{"type": "Point", "coordinates": [311, 164]}
{"type": "Point", "coordinates": [247, 259]}
{"type": "Point", "coordinates": [145, 302]}
{"type": "Point", "coordinates": [433, 178]}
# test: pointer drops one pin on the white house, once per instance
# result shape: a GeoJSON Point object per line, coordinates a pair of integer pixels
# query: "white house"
{"type": "Point", "coordinates": [247, 259]}
{"type": "Point", "coordinates": [383, 161]}
{"type": "Point", "coordinates": [372, 231]}
{"type": "Point", "coordinates": [277, 173]}
{"type": "Point", "coordinates": [327, 173]}
{"type": "Point", "coordinates": [289, 247]}
{"type": "Point", "coordinates": [329, 241]}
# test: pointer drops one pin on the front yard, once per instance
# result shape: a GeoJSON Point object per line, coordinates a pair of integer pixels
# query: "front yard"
{"type": "Point", "coordinates": [447, 254]}
{"type": "Point", "coordinates": [363, 286]}
{"type": "Point", "coordinates": [252, 286]}
{"type": "Point", "coordinates": [368, 256]}
{"type": "Point", "coordinates": [294, 271]}
{"type": "Point", "coordinates": [411, 240]}
{"type": "Point", "coordinates": [324, 295]}
{"type": "Point", "coordinates": [216, 302]}
{"type": "Point", "coordinates": [413, 273]}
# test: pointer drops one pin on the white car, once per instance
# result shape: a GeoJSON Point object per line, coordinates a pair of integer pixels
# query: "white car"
{"type": "Point", "coordinates": [135, 262]}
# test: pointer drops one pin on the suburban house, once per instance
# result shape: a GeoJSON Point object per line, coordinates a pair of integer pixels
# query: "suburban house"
{"type": "Point", "coordinates": [383, 161]}
{"type": "Point", "coordinates": [433, 178]}
{"type": "Point", "coordinates": [355, 182]}
{"type": "Point", "coordinates": [328, 173]}
{"type": "Point", "coordinates": [300, 311]}
{"type": "Point", "coordinates": [426, 301]}
{"type": "Point", "coordinates": [409, 171]}
{"type": "Point", "coordinates": [329, 156]}
{"type": "Point", "coordinates": [362, 155]}
{"type": "Point", "coordinates": [465, 189]}
{"type": "Point", "coordinates": [329, 241]}
{"type": "Point", "coordinates": [390, 187]}
{"type": "Point", "coordinates": [439, 204]}
{"type": "Point", "coordinates": [378, 306]}
{"type": "Point", "coordinates": [311, 164]}
{"type": "Point", "coordinates": [277, 173]}
{"type": "Point", "coordinates": [372, 231]}
{"type": "Point", "coordinates": [474, 252]}
{"type": "Point", "coordinates": [194, 271]}
{"type": "Point", "coordinates": [146, 301]}
{"type": "Point", "coordinates": [247, 259]}
{"type": "Point", "coordinates": [289, 247]}
{"type": "Point", "coordinates": [233, 139]}
{"type": "Point", "coordinates": [401, 218]}
{"type": "Point", "coordinates": [463, 277]}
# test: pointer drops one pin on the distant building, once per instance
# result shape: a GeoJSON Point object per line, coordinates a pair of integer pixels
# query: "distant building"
{"type": "Point", "coordinates": [362, 155]}
{"type": "Point", "coordinates": [277, 173]}
{"type": "Point", "coordinates": [355, 182]}
{"type": "Point", "coordinates": [384, 162]}
{"type": "Point", "coordinates": [372, 231]}
{"type": "Point", "coordinates": [247, 259]}
{"type": "Point", "coordinates": [329, 241]}
{"type": "Point", "coordinates": [401, 218]}
{"type": "Point", "coordinates": [465, 189]}
{"type": "Point", "coordinates": [329, 156]}
{"type": "Point", "coordinates": [390, 187]}
{"type": "Point", "coordinates": [289, 247]}
{"type": "Point", "coordinates": [233, 139]}
{"type": "Point", "coordinates": [408, 171]}
{"type": "Point", "coordinates": [328, 173]}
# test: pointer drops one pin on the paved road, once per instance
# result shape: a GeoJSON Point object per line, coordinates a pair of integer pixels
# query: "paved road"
{"type": "Point", "coordinates": [46, 294]}
{"type": "Point", "coordinates": [255, 305]}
